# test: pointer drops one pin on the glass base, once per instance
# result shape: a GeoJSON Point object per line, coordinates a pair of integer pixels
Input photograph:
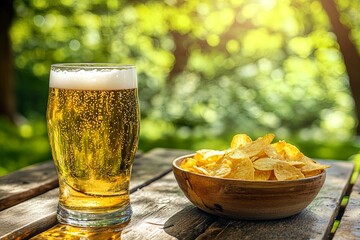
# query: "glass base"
{"type": "Point", "coordinates": [86, 219]}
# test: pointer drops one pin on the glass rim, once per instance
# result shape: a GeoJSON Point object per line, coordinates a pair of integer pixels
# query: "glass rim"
{"type": "Point", "coordinates": [92, 66]}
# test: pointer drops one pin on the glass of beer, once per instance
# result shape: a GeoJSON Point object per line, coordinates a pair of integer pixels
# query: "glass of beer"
{"type": "Point", "coordinates": [93, 126]}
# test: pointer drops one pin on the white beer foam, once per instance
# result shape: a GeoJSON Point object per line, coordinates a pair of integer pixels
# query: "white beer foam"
{"type": "Point", "coordinates": [109, 79]}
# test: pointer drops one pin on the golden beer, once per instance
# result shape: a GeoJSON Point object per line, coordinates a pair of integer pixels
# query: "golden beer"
{"type": "Point", "coordinates": [93, 131]}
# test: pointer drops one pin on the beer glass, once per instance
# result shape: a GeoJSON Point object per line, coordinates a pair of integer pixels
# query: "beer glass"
{"type": "Point", "coordinates": [93, 127]}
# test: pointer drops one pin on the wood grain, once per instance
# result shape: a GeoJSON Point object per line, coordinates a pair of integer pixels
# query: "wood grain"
{"type": "Point", "coordinates": [349, 227]}
{"type": "Point", "coordinates": [29, 217]}
{"type": "Point", "coordinates": [27, 183]}
{"type": "Point", "coordinates": [147, 168]}
{"type": "Point", "coordinates": [162, 212]}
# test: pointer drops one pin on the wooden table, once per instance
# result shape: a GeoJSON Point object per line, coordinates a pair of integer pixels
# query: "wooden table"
{"type": "Point", "coordinates": [28, 200]}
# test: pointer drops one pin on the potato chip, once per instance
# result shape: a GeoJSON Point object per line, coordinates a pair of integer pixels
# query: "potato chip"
{"type": "Point", "coordinates": [253, 148]}
{"type": "Point", "coordinates": [208, 156]}
{"type": "Point", "coordinates": [225, 160]}
{"type": "Point", "coordinates": [240, 140]}
{"type": "Point", "coordinates": [200, 170]}
{"type": "Point", "coordinates": [217, 170]}
{"type": "Point", "coordinates": [311, 165]}
{"type": "Point", "coordinates": [259, 160]}
{"type": "Point", "coordinates": [288, 151]}
{"type": "Point", "coordinates": [188, 163]}
{"type": "Point", "coordinates": [265, 164]}
{"type": "Point", "coordinates": [262, 175]}
{"type": "Point", "coordinates": [242, 169]}
{"type": "Point", "coordinates": [279, 146]}
{"type": "Point", "coordinates": [297, 164]}
{"type": "Point", "coordinates": [271, 152]}
{"type": "Point", "coordinates": [285, 171]}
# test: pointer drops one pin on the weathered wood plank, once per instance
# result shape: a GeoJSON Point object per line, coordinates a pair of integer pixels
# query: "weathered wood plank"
{"type": "Point", "coordinates": [27, 183]}
{"type": "Point", "coordinates": [29, 217]}
{"type": "Point", "coordinates": [147, 168]}
{"type": "Point", "coordinates": [349, 227]}
{"type": "Point", "coordinates": [162, 212]}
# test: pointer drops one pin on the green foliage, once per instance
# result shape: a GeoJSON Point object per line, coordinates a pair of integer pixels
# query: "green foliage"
{"type": "Point", "coordinates": [356, 159]}
{"type": "Point", "coordinates": [207, 69]}
{"type": "Point", "coordinates": [266, 65]}
{"type": "Point", "coordinates": [22, 145]}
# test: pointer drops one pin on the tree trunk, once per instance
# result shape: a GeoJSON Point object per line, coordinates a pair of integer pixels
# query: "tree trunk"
{"type": "Point", "coordinates": [7, 98]}
{"type": "Point", "coordinates": [181, 54]}
{"type": "Point", "coordinates": [349, 52]}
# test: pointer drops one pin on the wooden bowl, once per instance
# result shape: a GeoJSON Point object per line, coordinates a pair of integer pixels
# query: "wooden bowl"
{"type": "Point", "coordinates": [247, 200]}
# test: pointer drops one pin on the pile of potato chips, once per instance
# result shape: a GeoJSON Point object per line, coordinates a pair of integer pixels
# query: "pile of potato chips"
{"type": "Point", "coordinates": [259, 160]}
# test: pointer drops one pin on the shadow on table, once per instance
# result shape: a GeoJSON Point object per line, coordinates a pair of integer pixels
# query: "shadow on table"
{"type": "Point", "coordinates": [61, 231]}
{"type": "Point", "coordinates": [191, 218]}
{"type": "Point", "coordinates": [192, 223]}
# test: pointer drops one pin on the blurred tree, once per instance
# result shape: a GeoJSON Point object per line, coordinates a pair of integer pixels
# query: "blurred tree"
{"type": "Point", "coordinates": [234, 65]}
{"type": "Point", "coordinates": [252, 44]}
{"type": "Point", "coordinates": [7, 98]}
{"type": "Point", "coordinates": [349, 51]}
